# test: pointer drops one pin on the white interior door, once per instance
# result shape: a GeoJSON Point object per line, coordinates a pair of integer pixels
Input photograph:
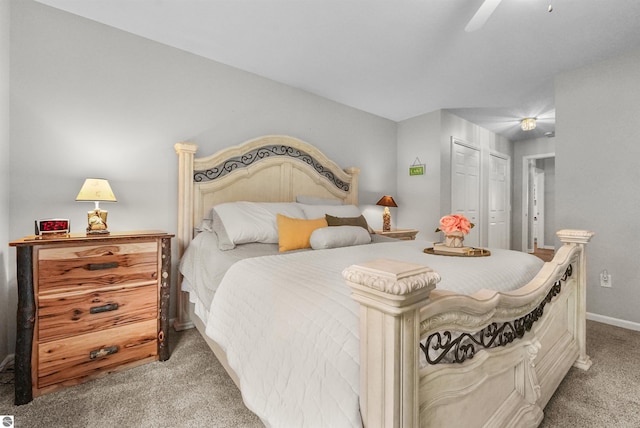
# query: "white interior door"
{"type": "Point", "coordinates": [538, 207]}
{"type": "Point", "coordinates": [499, 204]}
{"type": "Point", "coordinates": [465, 188]}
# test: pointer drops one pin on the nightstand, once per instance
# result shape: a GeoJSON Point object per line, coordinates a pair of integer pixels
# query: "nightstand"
{"type": "Point", "coordinates": [405, 234]}
{"type": "Point", "coordinates": [88, 306]}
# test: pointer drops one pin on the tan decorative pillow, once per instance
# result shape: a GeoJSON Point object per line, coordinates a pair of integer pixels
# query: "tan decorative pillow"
{"type": "Point", "coordinates": [294, 233]}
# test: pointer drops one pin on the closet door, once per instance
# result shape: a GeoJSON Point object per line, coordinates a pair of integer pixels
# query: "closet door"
{"type": "Point", "coordinates": [499, 206]}
{"type": "Point", "coordinates": [465, 187]}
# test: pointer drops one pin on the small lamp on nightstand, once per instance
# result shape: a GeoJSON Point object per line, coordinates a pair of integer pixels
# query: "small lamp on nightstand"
{"type": "Point", "coordinates": [96, 190]}
{"type": "Point", "coordinates": [386, 201]}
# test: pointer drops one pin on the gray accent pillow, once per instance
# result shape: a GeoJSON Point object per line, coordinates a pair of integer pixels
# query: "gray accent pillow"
{"type": "Point", "coordinates": [338, 236]}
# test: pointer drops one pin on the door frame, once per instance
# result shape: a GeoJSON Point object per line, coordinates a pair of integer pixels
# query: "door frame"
{"type": "Point", "coordinates": [525, 196]}
{"type": "Point", "coordinates": [507, 158]}
{"type": "Point", "coordinates": [539, 207]}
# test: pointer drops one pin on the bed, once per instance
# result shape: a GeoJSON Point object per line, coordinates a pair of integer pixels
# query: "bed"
{"type": "Point", "coordinates": [377, 334]}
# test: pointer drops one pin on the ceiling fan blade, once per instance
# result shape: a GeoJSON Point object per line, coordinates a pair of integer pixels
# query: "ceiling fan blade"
{"type": "Point", "coordinates": [481, 16]}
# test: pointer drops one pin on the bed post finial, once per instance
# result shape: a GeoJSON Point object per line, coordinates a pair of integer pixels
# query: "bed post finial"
{"type": "Point", "coordinates": [580, 238]}
{"type": "Point", "coordinates": [390, 294]}
{"type": "Point", "coordinates": [186, 152]}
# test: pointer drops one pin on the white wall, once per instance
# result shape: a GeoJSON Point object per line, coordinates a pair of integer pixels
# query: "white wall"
{"type": "Point", "coordinates": [597, 176]}
{"type": "Point", "coordinates": [6, 313]}
{"type": "Point", "coordinates": [90, 100]}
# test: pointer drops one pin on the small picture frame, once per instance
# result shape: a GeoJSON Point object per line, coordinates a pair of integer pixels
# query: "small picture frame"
{"type": "Point", "coordinates": [416, 168]}
{"type": "Point", "coordinates": [52, 227]}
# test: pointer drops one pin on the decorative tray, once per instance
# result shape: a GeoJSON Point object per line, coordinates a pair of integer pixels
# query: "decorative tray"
{"type": "Point", "coordinates": [468, 252]}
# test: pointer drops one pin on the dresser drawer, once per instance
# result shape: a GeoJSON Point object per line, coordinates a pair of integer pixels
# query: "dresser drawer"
{"type": "Point", "coordinates": [86, 267]}
{"type": "Point", "coordinates": [69, 314]}
{"type": "Point", "coordinates": [71, 359]}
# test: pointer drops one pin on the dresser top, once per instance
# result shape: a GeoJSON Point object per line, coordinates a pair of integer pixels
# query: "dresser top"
{"type": "Point", "coordinates": [84, 237]}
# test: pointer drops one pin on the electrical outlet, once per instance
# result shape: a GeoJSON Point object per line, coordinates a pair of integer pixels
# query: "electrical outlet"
{"type": "Point", "coordinates": [605, 279]}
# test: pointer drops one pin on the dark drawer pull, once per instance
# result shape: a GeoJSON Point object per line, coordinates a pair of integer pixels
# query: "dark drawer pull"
{"type": "Point", "coordinates": [99, 353]}
{"type": "Point", "coordinates": [104, 308]}
{"type": "Point", "coordinates": [102, 266]}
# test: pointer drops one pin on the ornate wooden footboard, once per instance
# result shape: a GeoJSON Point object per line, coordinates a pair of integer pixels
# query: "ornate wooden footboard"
{"type": "Point", "coordinates": [435, 358]}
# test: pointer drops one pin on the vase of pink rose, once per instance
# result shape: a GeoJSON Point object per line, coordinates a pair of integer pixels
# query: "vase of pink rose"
{"type": "Point", "coordinates": [454, 227]}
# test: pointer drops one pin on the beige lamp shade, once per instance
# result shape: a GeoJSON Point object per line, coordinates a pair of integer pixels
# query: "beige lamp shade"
{"type": "Point", "coordinates": [96, 190]}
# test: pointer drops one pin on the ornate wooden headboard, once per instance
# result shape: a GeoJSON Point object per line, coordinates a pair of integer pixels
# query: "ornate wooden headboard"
{"type": "Point", "coordinates": [273, 168]}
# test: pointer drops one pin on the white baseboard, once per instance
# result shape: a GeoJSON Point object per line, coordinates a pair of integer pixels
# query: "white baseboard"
{"type": "Point", "coordinates": [630, 325]}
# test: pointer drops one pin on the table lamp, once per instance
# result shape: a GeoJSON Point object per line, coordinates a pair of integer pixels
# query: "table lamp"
{"type": "Point", "coordinates": [96, 190]}
{"type": "Point", "coordinates": [386, 201]}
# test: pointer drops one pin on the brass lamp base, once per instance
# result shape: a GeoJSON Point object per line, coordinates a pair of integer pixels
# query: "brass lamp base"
{"type": "Point", "coordinates": [386, 220]}
{"type": "Point", "coordinates": [97, 222]}
{"type": "Point", "coordinates": [97, 232]}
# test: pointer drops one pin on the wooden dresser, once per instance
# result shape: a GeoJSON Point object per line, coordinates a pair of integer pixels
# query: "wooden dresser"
{"type": "Point", "coordinates": [89, 305]}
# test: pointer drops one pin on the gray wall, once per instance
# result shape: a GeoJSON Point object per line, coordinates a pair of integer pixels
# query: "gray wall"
{"type": "Point", "coordinates": [6, 313]}
{"type": "Point", "coordinates": [597, 176]}
{"type": "Point", "coordinates": [419, 196]}
{"type": "Point", "coordinates": [90, 100]}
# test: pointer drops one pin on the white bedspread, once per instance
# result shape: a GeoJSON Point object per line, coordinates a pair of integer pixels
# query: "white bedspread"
{"type": "Point", "coordinates": [290, 328]}
{"type": "Point", "coordinates": [203, 266]}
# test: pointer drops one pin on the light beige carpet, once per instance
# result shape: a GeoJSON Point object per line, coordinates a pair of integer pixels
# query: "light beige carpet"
{"type": "Point", "coordinates": [608, 394]}
{"type": "Point", "coordinates": [191, 389]}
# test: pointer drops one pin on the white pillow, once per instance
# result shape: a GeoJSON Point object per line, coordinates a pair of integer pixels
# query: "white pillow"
{"type": "Point", "coordinates": [338, 236]}
{"type": "Point", "coordinates": [245, 222]}
{"type": "Point", "coordinates": [314, 200]}
{"type": "Point", "coordinates": [317, 211]}
{"type": "Point", "coordinates": [217, 227]}
{"type": "Point", "coordinates": [205, 225]}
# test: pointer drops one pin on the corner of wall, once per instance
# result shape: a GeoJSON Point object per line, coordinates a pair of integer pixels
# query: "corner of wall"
{"type": "Point", "coordinates": [5, 307]}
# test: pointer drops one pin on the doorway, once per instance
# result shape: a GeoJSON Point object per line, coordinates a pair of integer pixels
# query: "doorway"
{"type": "Point", "coordinates": [538, 199]}
{"type": "Point", "coordinates": [536, 206]}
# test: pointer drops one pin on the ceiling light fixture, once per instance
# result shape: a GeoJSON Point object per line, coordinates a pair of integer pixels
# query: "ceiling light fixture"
{"type": "Point", "coordinates": [528, 123]}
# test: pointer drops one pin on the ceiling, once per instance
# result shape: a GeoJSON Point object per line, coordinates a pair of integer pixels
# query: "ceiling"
{"type": "Point", "coordinates": [394, 58]}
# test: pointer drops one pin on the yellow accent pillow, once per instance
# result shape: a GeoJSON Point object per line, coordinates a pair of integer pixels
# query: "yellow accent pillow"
{"type": "Point", "coordinates": [294, 233]}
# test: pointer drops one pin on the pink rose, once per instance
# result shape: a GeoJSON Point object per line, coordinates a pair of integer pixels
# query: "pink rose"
{"type": "Point", "coordinates": [455, 223]}
{"type": "Point", "coordinates": [464, 225]}
{"type": "Point", "coordinates": [449, 224]}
